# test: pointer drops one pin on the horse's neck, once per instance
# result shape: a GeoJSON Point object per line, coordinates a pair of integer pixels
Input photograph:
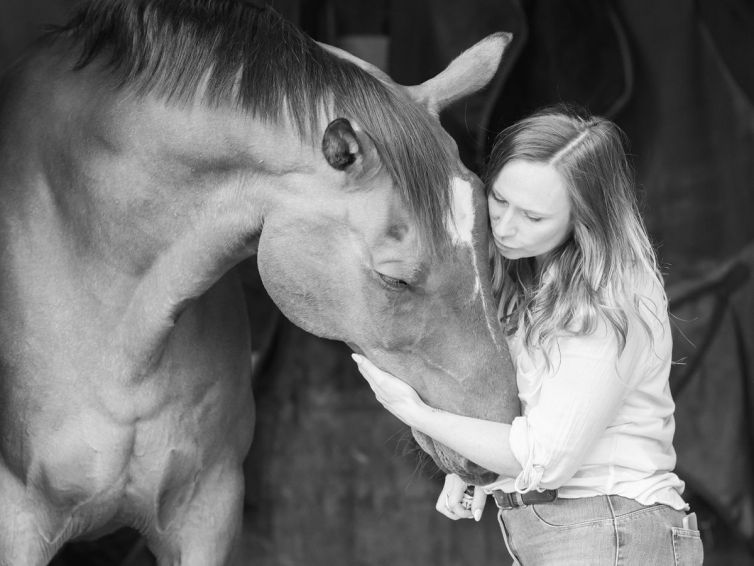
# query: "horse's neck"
{"type": "Point", "coordinates": [154, 201]}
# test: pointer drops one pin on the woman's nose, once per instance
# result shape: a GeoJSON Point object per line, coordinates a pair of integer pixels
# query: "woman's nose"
{"type": "Point", "coordinates": [503, 225]}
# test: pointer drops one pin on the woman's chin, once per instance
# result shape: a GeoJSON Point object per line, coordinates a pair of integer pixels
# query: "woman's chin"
{"type": "Point", "coordinates": [510, 253]}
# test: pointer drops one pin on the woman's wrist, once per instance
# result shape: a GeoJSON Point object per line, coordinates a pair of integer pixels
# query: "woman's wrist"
{"type": "Point", "coordinates": [410, 411]}
{"type": "Point", "coordinates": [425, 418]}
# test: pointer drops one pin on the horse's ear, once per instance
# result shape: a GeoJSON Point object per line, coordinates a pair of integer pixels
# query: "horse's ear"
{"type": "Point", "coordinates": [466, 74]}
{"type": "Point", "coordinates": [347, 148]}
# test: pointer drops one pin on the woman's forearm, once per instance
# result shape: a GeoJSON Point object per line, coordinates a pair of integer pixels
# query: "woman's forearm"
{"type": "Point", "coordinates": [485, 443]}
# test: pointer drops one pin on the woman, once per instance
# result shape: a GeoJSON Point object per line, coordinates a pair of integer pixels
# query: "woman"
{"type": "Point", "coordinates": [586, 470]}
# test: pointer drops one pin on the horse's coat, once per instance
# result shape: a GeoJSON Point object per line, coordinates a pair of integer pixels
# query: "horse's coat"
{"type": "Point", "coordinates": [146, 150]}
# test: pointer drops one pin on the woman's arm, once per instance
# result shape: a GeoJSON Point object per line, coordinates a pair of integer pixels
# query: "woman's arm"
{"type": "Point", "coordinates": [574, 406]}
{"type": "Point", "coordinates": [485, 443]}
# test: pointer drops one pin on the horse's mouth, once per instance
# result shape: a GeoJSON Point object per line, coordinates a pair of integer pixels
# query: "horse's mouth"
{"type": "Point", "coordinates": [450, 461]}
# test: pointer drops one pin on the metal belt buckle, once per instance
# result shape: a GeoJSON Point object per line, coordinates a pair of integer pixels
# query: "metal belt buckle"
{"type": "Point", "coordinates": [503, 500]}
{"type": "Point", "coordinates": [517, 499]}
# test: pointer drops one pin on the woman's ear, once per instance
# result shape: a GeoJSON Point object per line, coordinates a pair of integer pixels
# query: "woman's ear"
{"type": "Point", "coordinates": [348, 148]}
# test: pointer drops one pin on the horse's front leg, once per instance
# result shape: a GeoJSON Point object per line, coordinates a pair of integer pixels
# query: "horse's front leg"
{"type": "Point", "coordinates": [200, 524]}
{"type": "Point", "coordinates": [31, 532]}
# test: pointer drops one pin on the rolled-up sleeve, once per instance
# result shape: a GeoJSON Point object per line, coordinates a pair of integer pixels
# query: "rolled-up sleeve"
{"type": "Point", "coordinates": [575, 404]}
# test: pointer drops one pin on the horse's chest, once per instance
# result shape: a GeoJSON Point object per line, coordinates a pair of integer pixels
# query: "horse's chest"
{"type": "Point", "coordinates": [104, 446]}
{"type": "Point", "coordinates": [81, 460]}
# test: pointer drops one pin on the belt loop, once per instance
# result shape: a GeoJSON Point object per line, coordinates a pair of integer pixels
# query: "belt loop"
{"type": "Point", "coordinates": [518, 499]}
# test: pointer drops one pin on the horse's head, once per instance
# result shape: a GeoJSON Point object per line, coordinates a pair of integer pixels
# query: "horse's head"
{"type": "Point", "coordinates": [360, 261]}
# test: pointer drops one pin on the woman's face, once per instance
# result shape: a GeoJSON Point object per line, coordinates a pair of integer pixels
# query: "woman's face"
{"type": "Point", "coordinates": [530, 211]}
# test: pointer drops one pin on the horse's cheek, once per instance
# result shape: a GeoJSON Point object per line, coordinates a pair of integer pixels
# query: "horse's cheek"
{"type": "Point", "coordinates": [297, 291]}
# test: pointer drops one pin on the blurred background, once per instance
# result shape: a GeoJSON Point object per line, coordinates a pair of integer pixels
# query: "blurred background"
{"type": "Point", "coordinates": [332, 478]}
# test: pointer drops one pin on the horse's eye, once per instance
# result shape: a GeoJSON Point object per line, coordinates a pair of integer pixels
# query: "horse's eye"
{"type": "Point", "coordinates": [393, 283]}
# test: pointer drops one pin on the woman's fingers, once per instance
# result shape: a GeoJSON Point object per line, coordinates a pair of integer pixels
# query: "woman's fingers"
{"type": "Point", "coordinates": [371, 374]}
{"type": "Point", "coordinates": [454, 502]}
{"type": "Point", "coordinates": [456, 498]}
{"type": "Point", "coordinates": [375, 377]}
{"type": "Point", "coordinates": [443, 504]}
{"type": "Point", "coordinates": [365, 367]}
{"type": "Point", "coordinates": [479, 500]}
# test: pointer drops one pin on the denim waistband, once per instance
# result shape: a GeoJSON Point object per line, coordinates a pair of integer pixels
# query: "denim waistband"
{"type": "Point", "coordinates": [600, 506]}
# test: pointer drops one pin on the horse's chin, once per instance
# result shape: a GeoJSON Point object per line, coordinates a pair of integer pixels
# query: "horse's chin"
{"type": "Point", "coordinates": [451, 462]}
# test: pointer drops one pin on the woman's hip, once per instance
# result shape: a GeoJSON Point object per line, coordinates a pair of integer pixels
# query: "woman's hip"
{"type": "Point", "coordinates": [602, 530]}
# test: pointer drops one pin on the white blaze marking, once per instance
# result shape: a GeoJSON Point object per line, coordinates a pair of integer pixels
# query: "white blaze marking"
{"type": "Point", "coordinates": [460, 222]}
{"type": "Point", "coordinates": [460, 226]}
{"type": "Point", "coordinates": [461, 218]}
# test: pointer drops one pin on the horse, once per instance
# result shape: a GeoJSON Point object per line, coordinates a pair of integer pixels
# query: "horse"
{"type": "Point", "coordinates": [148, 148]}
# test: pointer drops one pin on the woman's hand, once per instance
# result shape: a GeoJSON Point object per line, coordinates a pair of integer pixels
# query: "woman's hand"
{"type": "Point", "coordinates": [455, 503]}
{"type": "Point", "coordinates": [395, 395]}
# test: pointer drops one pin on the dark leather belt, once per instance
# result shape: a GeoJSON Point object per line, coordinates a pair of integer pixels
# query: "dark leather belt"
{"type": "Point", "coordinates": [512, 500]}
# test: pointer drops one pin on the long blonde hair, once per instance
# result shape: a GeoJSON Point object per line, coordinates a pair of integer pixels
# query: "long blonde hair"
{"type": "Point", "coordinates": [594, 274]}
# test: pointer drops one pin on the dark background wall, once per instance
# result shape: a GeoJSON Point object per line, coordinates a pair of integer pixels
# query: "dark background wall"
{"type": "Point", "coordinates": [332, 478]}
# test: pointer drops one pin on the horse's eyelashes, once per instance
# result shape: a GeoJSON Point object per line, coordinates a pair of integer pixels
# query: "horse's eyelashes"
{"type": "Point", "coordinates": [393, 282]}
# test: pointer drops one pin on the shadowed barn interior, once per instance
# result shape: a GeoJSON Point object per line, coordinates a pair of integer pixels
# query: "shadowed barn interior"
{"type": "Point", "coordinates": [336, 479]}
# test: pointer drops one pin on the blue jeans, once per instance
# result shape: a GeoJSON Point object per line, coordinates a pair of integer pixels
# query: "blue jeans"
{"type": "Point", "coordinates": [599, 531]}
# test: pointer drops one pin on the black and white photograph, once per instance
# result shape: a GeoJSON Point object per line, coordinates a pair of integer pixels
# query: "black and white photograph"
{"type": "Point", "coordinates": [376, 283]}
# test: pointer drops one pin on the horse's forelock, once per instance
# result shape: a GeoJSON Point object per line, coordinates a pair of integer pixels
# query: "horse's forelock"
{"type": "Point", "coordinates": [411, 148]}
{"type": "Point", "coordinates": [252, 57]}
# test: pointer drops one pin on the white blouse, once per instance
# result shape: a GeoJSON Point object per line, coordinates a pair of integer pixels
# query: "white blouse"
{"type": "Point", "coordinates": [598, 423]}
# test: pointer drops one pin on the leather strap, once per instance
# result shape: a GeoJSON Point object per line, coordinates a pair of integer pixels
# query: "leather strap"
{"type": "Point", "coordinates": [513, 500]}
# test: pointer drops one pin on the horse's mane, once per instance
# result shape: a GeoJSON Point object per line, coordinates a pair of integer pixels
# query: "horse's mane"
{"type": "Point", "coordinates": [253, 58]}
